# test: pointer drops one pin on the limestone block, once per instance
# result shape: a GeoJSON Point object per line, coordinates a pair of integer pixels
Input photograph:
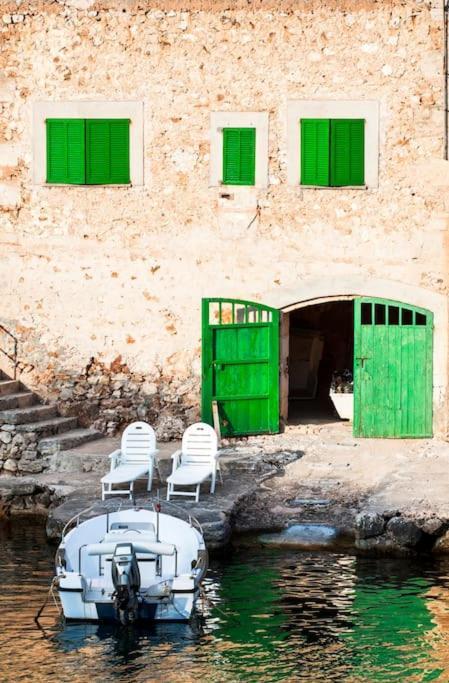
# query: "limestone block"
{"type": "Point", "coordinates": [441, 546]}
{"type": "Point", "coordinates": [184, 160]}
{"type": "Point", "coordinates": [430, 65]}
{"type": "Point", "coordinates": [30, 465]}
{"type": "Point", "coordinates": [369, 524]}
{"type": "Point", "coordinates": [9, 154]}
{"type": "Point", "coordinates": [80, 4]}
{"type": "Point", "coordinates": [7, 89]}
{"type": "Point", "coordinates": [5, 437]}
{"type": "Point", "coordinates": [9, 195]}
{"type": "Point", "coordinates": [10, 465]}
{"type": "Point", "coordinates": [404, 532]}
{"type": "Point", "coordinates": [431, 525]}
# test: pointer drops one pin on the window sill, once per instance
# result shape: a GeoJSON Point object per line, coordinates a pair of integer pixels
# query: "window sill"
{"type": "Point", "coordinates": [125, 185]}
{"type": "Point", "coordinates": [335, 187]}
{"type": "Point", "coordinates": [225, 185]}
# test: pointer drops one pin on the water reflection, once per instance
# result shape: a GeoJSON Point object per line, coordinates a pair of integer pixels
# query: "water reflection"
{"type": "Point", "coordinates": [270, 616]}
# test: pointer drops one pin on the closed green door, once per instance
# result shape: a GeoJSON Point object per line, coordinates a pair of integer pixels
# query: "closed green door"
{"type": "Point", "coordinates": [240, 366]}
{"type": "Point", "coordinates": [393, 346]}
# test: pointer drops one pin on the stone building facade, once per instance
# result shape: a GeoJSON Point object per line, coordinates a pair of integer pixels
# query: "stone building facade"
{"type": "Point", "coordinates": [102, 285]}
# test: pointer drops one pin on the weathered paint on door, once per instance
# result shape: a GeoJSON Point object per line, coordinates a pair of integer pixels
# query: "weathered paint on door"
{"type": "Point", "coordinates": [240, 366]}
{"type": "Point", "coordinates": [393, 345]}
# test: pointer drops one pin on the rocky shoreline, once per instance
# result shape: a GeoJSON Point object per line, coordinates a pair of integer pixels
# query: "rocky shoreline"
{"type": "Point", "coordinates": [60, 496]}
{"type": "Point", "coordinates": [253, 500]}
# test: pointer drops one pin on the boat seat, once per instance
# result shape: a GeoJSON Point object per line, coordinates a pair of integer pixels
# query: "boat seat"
{"type": "Point", "coordinates": [130, 536]}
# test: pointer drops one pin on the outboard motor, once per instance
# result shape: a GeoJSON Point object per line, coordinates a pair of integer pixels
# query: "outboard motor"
{"type": "Point", "coordinates": [126, 580]}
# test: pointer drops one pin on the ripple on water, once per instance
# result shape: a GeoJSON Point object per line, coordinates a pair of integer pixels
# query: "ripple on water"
{"type": "Point", "coordinates": [270, 616]}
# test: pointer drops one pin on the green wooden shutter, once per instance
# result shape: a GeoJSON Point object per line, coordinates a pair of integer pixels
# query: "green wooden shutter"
{"type": "Point", "coordinates": [66, 151]}
{"type": "Point", "coordinates": [347, 152]}
{"type": "Point", "coordinates": [315, 168]}
{"type": "Point", "coordinates": [239, 156]}
{"type": "Point", "coordinates": [107, 151]}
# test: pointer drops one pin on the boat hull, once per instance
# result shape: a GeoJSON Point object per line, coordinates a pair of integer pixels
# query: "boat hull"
{"type": "Point", "coordinates": [176, 608]}
{"type": "Point", "coordinates": [170, 560]}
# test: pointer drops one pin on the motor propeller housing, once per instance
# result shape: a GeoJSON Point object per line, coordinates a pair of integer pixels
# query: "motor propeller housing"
{"type": "Point", "coordinates": [126, 580]}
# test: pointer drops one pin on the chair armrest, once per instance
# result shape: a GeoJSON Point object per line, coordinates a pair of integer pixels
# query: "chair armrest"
{"type": "Point", "coordinates": [176, 459]}
{"type": "Point", "coordinates": [114, 458]}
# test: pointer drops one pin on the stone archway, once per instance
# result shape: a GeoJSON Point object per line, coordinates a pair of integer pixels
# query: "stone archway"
{"type": "Point", "coordinates": [313, 291]}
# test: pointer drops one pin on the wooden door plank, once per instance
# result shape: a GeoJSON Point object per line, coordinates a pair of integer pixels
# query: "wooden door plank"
{"type": "Point", "coordinates": [242, 358]}
{"type": "Point", "coordinates": [393, 385]}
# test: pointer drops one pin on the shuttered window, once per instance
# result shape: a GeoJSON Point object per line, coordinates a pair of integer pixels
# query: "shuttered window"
{"type": "Point", "coordinates": [107, 151]}
{"type": "Point", "coordinates": [66, 151]}
{"type": "Point", "coordinates": [315, 139]}
{"type": "Point", "coordinates": [347, 152]}
{"type": "Point", "coordinates": [88, 151]}
{"type": "Point", "coordinates": [332, 152]}
{"type": "Point", "coordinates": [239, 156]}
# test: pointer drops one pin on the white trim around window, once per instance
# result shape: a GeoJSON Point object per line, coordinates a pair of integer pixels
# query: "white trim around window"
{"type": "Point", "coordinates": [88, 110]}
{"type": "Point", "coordinates": [333, 109]}
{"type": "Point", "coordinates": [235, 119]}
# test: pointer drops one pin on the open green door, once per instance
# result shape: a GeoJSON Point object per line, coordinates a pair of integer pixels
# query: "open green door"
{"type": "Point", "coordinates": [393, 345]}
{"type": "Point", "coordinates": [240, 365]}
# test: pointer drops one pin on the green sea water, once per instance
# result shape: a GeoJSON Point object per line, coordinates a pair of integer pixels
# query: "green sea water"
{"type": "Point", "coordinates": [269, 616]}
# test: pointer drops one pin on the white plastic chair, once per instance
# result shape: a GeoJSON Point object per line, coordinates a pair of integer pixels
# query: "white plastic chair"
{"type": "Point", "coordinates": [196, 462]}
{"type": "Point", "coordinates": [135, 459]}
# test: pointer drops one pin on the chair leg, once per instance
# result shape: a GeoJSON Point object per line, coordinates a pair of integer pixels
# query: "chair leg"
{"type": "Point", "coordinates": [150, 478]}
{"type": "Point", "coordinates": [168, 491]}
{"type": "Point", "coordinates": [102, 492]}
{"type": "Point", "coordinates": [157, 468]}
{"type": "Point", "coordinates": [197, 496]}
{"type": "Point", "coordinates": [131, 490]}
{"type": "Point", "coordinates": [212, 483]}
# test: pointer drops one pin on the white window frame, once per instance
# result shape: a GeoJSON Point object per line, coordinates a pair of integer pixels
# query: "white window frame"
{"type": "Point", "coordinates": [88, 110]}
{"type": "Point", "coordinates": [234, 119]}
{"type": "Point", "coordinates": [333, 109]}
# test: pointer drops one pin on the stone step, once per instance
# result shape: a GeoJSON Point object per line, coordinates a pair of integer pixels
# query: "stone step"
{"type": "Point", "coordinates": [18, 416]}
{"type": "Point", "coordinates": [22, 399]}
{"type": "Point", "coordinates": [9, 386]}
{"type": "Point", "coordinates": [56, 425]}
{"type": "Point", "coordinates": [70, 439]}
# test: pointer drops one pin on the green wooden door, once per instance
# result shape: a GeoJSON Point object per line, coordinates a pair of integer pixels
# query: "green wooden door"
{"type": "Point", "coordinates": [393, 345]}
{"type": "Point", "coordinates": [240, 366]}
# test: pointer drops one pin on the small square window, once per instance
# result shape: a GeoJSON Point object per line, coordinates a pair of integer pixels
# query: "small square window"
{"type": "Point", "coordinates": [367, 314]}
{"type": "Point", "coordinates": [393, 315]}
{"type": "Point", "coordinates": [379, 314]}
{"type": "Point", "coordinates": [421, 319]}
{"type": "Point", "coordinates": [239, 156]}
{"type": "Point", "coordinates": [407, 316]}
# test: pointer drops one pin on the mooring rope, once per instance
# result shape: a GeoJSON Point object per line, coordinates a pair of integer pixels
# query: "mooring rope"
{"type": "Point", "coordinates": [54, 583]}
{"type": "Point", "coordinates": [232, 616]}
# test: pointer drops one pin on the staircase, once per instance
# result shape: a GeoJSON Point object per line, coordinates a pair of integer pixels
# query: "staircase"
{"type": "Point", "coordinates": [24, 412]}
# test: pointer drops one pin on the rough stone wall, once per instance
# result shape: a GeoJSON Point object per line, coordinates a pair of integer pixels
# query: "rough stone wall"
{"type": "Point", "coordinates": [18, 451]}
{"type": "Point", "coordinates": [118, 273]}
{"type": "Point", "coordinates": [109, 396]}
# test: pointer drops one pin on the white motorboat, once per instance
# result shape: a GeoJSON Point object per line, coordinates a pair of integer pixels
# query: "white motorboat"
{"type": "Point", "coordinates": [130, 564]}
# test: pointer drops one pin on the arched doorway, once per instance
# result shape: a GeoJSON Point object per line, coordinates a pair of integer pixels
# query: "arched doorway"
{"type": "Point", "coordinates": [320, 356]}
{"type": "Point", "coordinates": [423, 336]}
{"type": "Point", "coordinates": [366, 359]}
